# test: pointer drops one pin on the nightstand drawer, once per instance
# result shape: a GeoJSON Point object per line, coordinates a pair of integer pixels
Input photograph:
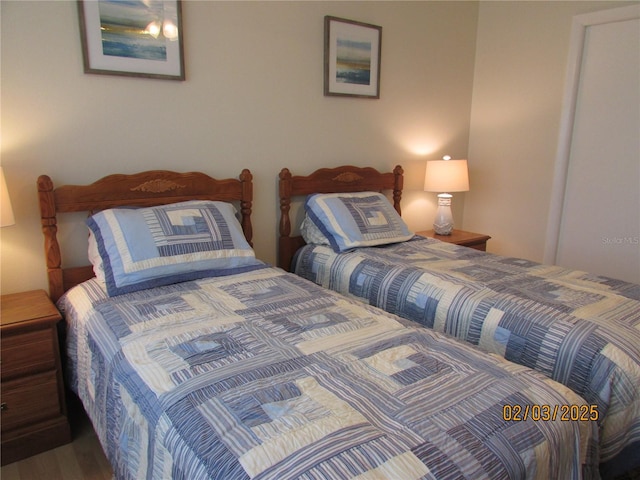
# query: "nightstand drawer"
{"type": "Point", "coordinates": [27, 353]}
{"type": "Point", "coordinates": [29, 400]}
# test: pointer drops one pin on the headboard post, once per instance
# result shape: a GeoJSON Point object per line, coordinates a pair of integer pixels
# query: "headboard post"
{"type": "Point", "coordinates": [246, 179]}
{"type": "Point", "coordinates": [286, 249]}
{"type": "Point", "coordinates": [285, 202]}
{"type": "Point", "coordinates": [50, 229]}
{"type": "Point", "coordinates": [398, 184]}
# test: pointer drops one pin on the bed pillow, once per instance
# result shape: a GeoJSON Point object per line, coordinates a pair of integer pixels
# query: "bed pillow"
{"type": "Point", "coordinates": [352, 220]}
{"type": "Point", "coordinates": [148, 247]}
{"type": "Point", "coordinates": [311, 233]}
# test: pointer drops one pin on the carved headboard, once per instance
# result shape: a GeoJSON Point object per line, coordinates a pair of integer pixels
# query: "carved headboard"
{"type": "Point", "coordinates": [329, 180]}
{"type": "Point", "coordinates": [145, 189]}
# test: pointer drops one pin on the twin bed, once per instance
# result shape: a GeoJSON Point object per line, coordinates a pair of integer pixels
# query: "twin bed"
{"type": "Point", "coordinates": [579, 329]}
{"type": "Point", "coordinates": [193, 359]}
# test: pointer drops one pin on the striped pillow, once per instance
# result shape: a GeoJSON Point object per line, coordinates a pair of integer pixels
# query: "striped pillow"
{"type": "Point", "coordinates": [149, 247]}
{"type": "Point", "coordinates": [352, 220]}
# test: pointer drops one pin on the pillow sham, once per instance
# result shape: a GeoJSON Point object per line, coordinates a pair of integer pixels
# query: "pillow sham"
{"type": "Point", "coordinates": [95, 258]}
{"type": "Point", "coordinates": [352, 220]}
{"type": "Point", "coordinates": [150, 247]}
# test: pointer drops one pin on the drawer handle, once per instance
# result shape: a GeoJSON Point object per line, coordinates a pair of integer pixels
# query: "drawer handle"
{"type": "Point", "coordinates": [3, 407]}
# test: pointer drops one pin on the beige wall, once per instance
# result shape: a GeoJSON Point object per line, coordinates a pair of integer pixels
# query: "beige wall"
{"type": "Point", "coordinates": [521, 59]}
{"type": "Point", "coordinates": [253, 98]}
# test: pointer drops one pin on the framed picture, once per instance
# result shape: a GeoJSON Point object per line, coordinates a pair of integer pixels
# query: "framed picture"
{"type": "Point", "coordinates": [351, 58]}
{"type": "Point", "coordinates": [139, 38]}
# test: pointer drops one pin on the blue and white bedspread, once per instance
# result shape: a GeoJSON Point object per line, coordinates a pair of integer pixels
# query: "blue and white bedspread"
{"type": "Point", "coordinates": [265, 375]}
{"type": "Point", "coordinates": [578, 329]}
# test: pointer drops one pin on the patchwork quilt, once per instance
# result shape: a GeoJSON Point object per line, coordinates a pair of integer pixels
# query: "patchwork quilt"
{"type": "Point", "coordinates": [265, 375]}
{"type": "Point", "coordinates": [581, 330]}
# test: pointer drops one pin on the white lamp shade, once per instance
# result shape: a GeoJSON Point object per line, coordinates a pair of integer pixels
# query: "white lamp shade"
{"type": "Point", "coordinates": [446, 176]}
{"type": "Point", "coordinates": [6, 212]}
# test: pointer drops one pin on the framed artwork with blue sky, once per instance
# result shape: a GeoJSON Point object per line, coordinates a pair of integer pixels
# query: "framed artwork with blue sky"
{"type": "Point", "coordinates": [140, 38]}
{"type": "Point", "coordinates": [352, 53]}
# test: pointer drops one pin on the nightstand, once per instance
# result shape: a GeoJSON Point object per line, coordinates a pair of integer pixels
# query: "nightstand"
{"type": "Point", "coordinates": [33, 411]}
{"type": "Point", "coordinates": [460, 237]}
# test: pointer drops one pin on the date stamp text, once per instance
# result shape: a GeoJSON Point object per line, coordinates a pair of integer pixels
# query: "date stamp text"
{"type": "Point", "coordinates": [546, 413]}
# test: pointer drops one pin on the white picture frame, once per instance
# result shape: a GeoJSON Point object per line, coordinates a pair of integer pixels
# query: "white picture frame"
{"type": "Point", "coordinates": [139, 39]}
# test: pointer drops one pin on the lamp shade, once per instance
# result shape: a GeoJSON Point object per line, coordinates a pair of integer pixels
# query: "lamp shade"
{"type": "Point", "coordinates": [6, 212]}
{"type": "Point", "coordinates": [446, 176]}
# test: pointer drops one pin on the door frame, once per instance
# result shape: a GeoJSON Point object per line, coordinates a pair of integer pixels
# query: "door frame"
{"type": "Point", "coordinates": [580, 25]}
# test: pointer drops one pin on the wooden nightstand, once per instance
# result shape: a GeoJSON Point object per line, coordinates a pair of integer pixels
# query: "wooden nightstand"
{"type": "Point", "coordinates": [460, 237]}
{"type": "Point", "coordinates": [34, 415]}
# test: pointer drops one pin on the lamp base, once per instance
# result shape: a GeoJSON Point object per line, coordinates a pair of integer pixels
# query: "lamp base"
{"type": "Point", "coordinates": [443, 223]}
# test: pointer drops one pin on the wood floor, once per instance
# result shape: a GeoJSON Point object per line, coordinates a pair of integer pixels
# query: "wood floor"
{"type": "Point", "coordinates": [82, 459]}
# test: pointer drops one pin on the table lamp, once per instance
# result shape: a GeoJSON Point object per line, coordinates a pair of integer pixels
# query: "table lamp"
{"type": "Point", "coordinates": [445, 176]}
{"type": "Point", "coordinates": [6, 212]}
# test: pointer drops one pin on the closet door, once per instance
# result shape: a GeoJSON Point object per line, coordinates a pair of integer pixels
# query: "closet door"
{"type": "Point", "coordinates": [598, 223]}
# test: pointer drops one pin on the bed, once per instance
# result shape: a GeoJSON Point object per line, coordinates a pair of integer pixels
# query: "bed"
{"type": "Point", "coordinates": [251, 372]}
{"type": "Point", "coordinates": [578, 329]}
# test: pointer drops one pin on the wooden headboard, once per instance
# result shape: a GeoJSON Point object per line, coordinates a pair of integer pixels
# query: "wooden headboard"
{"type": "Point", "coordinates": [329, 180]}
{"type": "Point", "coordinates": [144, 189]}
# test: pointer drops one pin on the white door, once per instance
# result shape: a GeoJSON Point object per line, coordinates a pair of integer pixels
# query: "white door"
{"type": "Point", "coordinates": [597, 225]}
